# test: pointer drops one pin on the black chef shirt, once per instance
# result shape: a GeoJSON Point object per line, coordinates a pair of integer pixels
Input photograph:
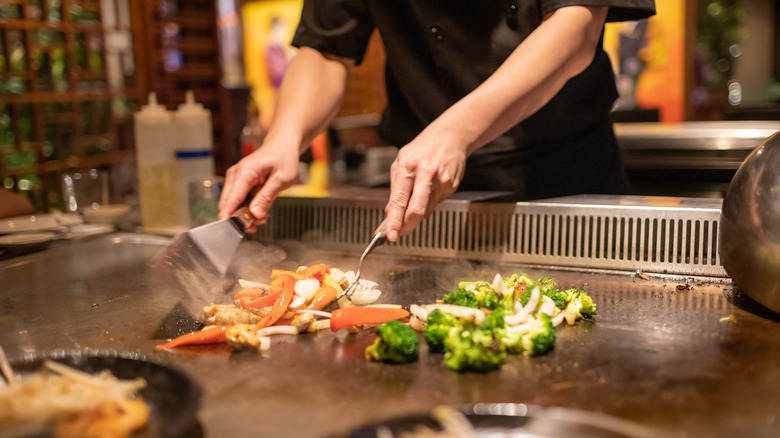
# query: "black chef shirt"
{"type": "Point", "coordinates": [437, 51]}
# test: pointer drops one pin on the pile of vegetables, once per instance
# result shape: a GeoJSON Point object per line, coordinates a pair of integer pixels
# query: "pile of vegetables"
{"type": "Point", "coordinates": [474, 327]}
{"type": "Point", "coordinates": [293, 303]}
{"type": "Point", "coordinates": [480, 323]}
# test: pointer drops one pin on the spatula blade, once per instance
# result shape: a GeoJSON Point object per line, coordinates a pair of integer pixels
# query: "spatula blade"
{"type": "Point", "coordinates": [196, 262]}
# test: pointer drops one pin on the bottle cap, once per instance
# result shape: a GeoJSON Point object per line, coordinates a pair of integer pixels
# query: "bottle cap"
{"type": "Point", "coordinates": [153, 112]}
{"type": "Point", "coordinates": [192, 110]}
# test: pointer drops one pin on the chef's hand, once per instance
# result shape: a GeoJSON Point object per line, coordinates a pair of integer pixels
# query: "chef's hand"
{"type": "Point", "coordinates": [425, 172]}
{"type": "Point", "coordinates": [273, 167]}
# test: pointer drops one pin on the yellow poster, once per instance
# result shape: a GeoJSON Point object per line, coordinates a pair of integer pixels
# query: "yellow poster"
{"type": "Point", "coordinates": [269, 26]}
{"type": "Point", "coordinates": [648, 57]}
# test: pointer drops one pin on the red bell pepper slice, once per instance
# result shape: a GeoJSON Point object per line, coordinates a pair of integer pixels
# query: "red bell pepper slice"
{"type": "Point", "coordinates": [351, 316]}
{"type": "Point", "coordinates": [281, 304]}
{"type": "Point", "coordinates": [278, 273]}
{"type": "Point", "coordinates": [261, 302]}
{"type": "Point", "coordinates": [324, 296]}
{"type": "Point", "coordinates": [315, 271]}
{"type": "Point", "coordinates": [213, 335]}
{"type": "Point", "coordinates": [251, 293]}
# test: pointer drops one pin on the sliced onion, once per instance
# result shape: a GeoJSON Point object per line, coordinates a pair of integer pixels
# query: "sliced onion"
{"type": "Point", "coordinates": [548, 306]}
{"type": "Point", "coordinates": [307, 287]}
{"type": "Point", "coordinates": [277, 330]}
{"type": "Point", "coordinates": [249, 283]}
{"type": "Point", "coordinates": [558, 319]}
{"type": "Point", "coordinates": [419, 311]}
{"type": "Point", "coordinates": [315, 312]}
{"type": "Point", "coordinates": [385, 306]}
{"type": "Point", "coordinates": [320, 324]}
{"type": "Point", "coordinates": [498, 285]}
{"type": "Point", "coordinates": [337, 274]}
{"type": "Point", "coordinates": [523, 312]}
{"type": "Point", "coordinates": [367, 284]}
{"type": "Point", "coordinates": [362, 297]}
{"type": "Point", "coordinates": [460, 311]}
{"type": "Point", "coordinates": [350, 276]}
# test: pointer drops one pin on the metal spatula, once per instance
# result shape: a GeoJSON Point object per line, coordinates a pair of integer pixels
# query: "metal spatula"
{"type": "Point", "coordinates": [196, 261]}
{"type": "Point", "coordinates": [379, 238]}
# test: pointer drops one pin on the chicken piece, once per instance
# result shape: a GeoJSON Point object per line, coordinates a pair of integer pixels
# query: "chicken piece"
{"type": "Point", "coordinates": [228, 314]}
{"type": "Point", "coordinates": [302, 321]}
{"type": "Point", "coordinates": [242, 336]}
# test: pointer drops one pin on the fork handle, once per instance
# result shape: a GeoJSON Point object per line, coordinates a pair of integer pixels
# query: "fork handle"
{"type": "Point", "coordinates": [380, 234]}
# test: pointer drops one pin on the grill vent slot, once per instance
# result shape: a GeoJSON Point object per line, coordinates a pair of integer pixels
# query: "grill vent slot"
{"type": "Point", "coordinates": [580, 232]}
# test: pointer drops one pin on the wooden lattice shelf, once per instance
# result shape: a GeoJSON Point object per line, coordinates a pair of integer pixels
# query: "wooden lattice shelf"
{"type": "Point", "coordinates": [63, 92]}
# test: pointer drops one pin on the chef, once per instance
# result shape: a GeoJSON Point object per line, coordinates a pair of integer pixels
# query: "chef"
{"type": "Point", "coordinates": [500, 95]}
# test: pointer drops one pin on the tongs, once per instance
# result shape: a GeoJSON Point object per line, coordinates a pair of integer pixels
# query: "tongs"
{"type": "Point", "coordinates": [380, 237]}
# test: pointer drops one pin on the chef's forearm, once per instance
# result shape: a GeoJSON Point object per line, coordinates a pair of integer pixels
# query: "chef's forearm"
{"type": "Point", "coordinates": [309, 98]}
{"type": "Point", "coordinates": [562, 47]}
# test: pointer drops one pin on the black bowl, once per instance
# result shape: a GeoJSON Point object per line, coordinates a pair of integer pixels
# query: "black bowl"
{"type": "Point", "coordinates": [174, 397]}
{"type": "Point", "coordinates": [517, 419]}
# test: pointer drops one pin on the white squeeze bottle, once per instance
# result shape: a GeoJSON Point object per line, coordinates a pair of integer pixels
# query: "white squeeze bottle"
{"type": "Point", "coordinates": [156, 167]}
{"type": "Point", "coordinates": [194, 150]}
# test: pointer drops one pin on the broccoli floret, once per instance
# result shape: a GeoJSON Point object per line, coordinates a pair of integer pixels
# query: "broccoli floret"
{"type": "Point", "coordinates": [547, 286]}
{"type": "Point", "coordinates": [580, 303]}
{"type": "Point", "coordinates": [472, 348]}
{"type": "Point", "coordinates": [515, 280]}
{"type": "Point", "coordinates": [396, 343]}
{"type": "Point", "coordinates": [462, 297]}
{"type": "Point", "coordinates": [493, 321]}
{"type": "Point", "coordinates": [488, 297]}
{"type": "Point", "coordinates": [531, 339]}
{"type": "Point", "coordinates": [547, 283]}
{"type": "Point", "coordinates": [437, 328]}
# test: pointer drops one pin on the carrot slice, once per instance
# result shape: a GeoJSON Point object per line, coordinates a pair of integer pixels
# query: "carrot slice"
{"type": "Point", "coordinates": [214, 335]}
{"type": "Point", "coordinates": [352, 316]}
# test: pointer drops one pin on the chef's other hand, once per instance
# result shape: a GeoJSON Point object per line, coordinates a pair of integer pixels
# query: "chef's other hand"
{"type": "Point", "coordinates": [424, 173]}
{"type": "Point", "coordinates": [272, 168]}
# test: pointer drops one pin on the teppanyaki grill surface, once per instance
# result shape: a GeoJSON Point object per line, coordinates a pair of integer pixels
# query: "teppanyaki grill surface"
{"type": "Point", "coordinates": [671, 353]}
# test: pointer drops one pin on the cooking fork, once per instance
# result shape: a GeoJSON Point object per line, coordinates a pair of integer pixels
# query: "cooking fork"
{"type": "Point", "coordinates": [380, 237]}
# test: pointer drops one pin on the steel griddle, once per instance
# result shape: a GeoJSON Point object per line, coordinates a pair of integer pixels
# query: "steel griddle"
{"type": "Point", "coordinates": [659, 352]}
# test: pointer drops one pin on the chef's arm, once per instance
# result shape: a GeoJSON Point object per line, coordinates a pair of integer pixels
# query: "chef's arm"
{"type": "Point", "coordinates": [309, 98]}
{"type": "Point", "coordinates": [562, 47]}
{"type": "Point", "coordinates": [429, 168]}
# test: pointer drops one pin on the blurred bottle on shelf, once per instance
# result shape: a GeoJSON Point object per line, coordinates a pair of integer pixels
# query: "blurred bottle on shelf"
{"type": "Point", "coordinates": [252, 134]}
{"type": "Point", "coordinates": [194, 151]}
{"type": "Point", "coordinates": [154, 137]}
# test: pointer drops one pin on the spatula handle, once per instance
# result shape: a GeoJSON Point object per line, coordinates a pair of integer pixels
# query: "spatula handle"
{"type": "Point", "coordinates": [243, 218]}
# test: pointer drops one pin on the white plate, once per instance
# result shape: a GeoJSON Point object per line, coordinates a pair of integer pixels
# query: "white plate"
{"type": "Point", "coordinates": [79, 231]}
{"type": "Point", "coordinates": [26, 242]}
{"type": "Point", "coordinates": [37, 222]}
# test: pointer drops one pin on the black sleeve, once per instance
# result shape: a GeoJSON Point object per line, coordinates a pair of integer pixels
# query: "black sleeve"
{"type": "Point", "coordinates": [619, 10]}
{"type": "Point", "coordinates": [336, 27]}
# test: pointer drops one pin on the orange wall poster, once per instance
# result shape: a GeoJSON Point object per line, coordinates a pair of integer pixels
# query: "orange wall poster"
{"type": "Point", "coordinates": [648, 57]}
{"type": "Point", "coordinates": [269, 26]}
